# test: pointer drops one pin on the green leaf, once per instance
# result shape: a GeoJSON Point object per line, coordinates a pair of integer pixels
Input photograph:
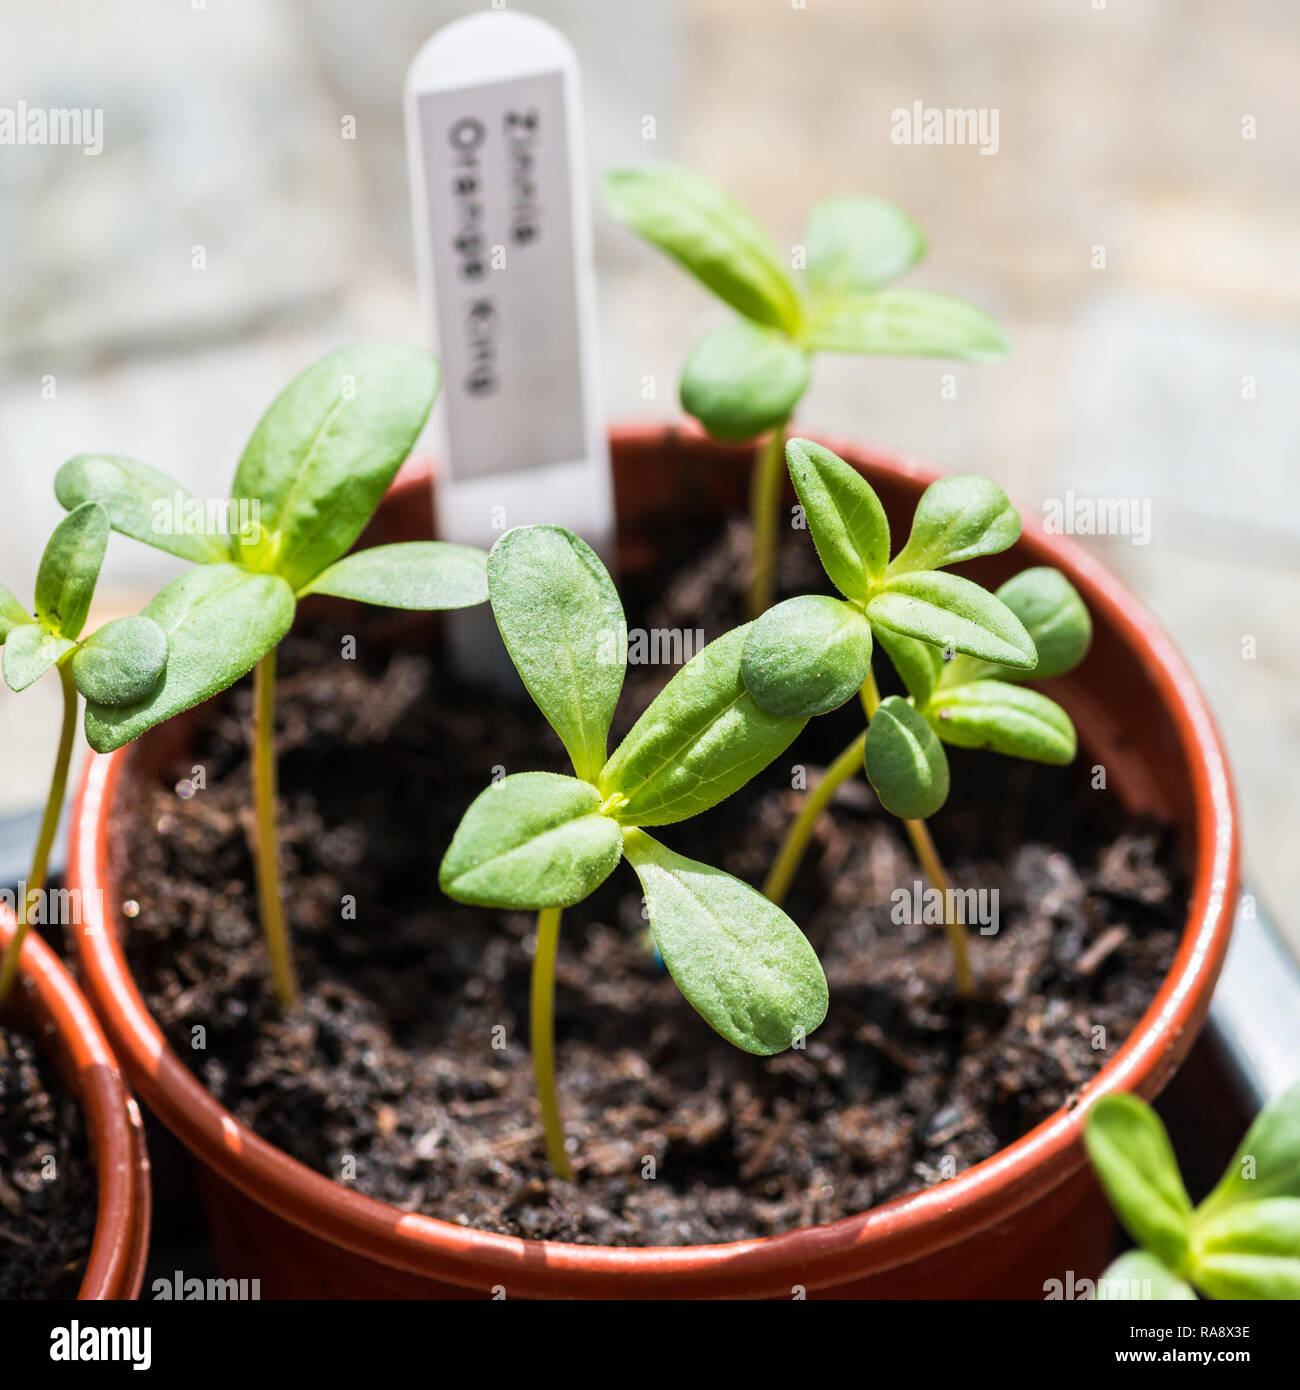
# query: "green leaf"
{"type": "Point", "coordinates": [905, 323]}
{"type": "Point", "coordinates": [857, 244]}
{"type": "Point", "coordinates": [563, 625]}
{"type": "Point", "coordinates": [65, 580]}
{"type": "Point", "coordinates": [806, 656]}
{"type": "Point", "coordinates": [920, 665]}
{"type": "Point", "coordinates": [844, 514]}
{"type": "Point", "coordinates": [1006, 718]}
{"type": "Point", "coordinates": [141, 503]}
{"type": "Point", "coordinates": [707, 231]}
{"type": "Point", "coordinates": [1249, 1250]}
{"type": "Point", "coordinates": [905, 762]}
{"type": "Point", "coordinates": [702, 738]}
{"type": "Point", "coordinates": [958, 518]}
{"type": "Point", "coordinates": [410, 574]}
{"type": "Point", "coordinates": [1055, 617]}
{"type": "Point", "coordinates": [1267, 1162]}
{"type": "Point", "coordinates": [325, 452]}
{"type": "Point", "coordinates": [1139, 1275]}
{"type": "Point", "coordinates": [953, 614]}
{"type": "Point", "coordinates": [119, 664]}
{"type": "Point", "coordinates": [741, 380]}
{"type": "Point", "coordinates": [12, 614]}
{"type": "Point", "coordinates": [532, 840]}
{"type": "Point", "coordinates": [219, 621]}
{"type": "Point", "coordinates": [30, 651]}
{"type": "Point", "coordinates": [1135, 1164]}
{"type": "Point", "coordinates": [742, 964]}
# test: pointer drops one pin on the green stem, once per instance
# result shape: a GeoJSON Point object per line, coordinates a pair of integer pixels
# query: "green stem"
{"type": "Point", "coordinates": [764, 512]}
{"type": "Point", "coordinates": [267, 850]}
{"type": "Point", "coordinates": [543, 1039]}
{"type": "Point", "coordinates": [49, 826]}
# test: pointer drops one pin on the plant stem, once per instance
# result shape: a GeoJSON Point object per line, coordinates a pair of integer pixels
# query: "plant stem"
{"type": "Point", "coordinates": [267, 853]}
{"type": "Point", "coordinates": [764, 509]}
{"type": "Point", "coordinates": [542, 1039]}
{"type": "Point", "coordinates": [49, 825]}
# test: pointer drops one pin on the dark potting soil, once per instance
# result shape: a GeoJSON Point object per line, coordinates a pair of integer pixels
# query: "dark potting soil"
{"type": "Point", "coordinates": [405, 1071]}
{"type": "Point", "coordinates": [47, 1177]}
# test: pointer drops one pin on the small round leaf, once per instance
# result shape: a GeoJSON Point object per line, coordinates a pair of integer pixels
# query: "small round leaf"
{"type": "Point", "coordinates": [905, 761]}
{"type": "Point", "coordinates": [120, 662]}
{"type": "Point", "coordinates": [1054, 616]}
{"type": "Point", "coordinates": [806, 656]}
{"type": "Point", "coordinates": [740, 381]}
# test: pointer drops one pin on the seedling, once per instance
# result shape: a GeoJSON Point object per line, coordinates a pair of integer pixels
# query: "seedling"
{"type": "Point", "coordinates": [744, 379]}
{"type": "Point", "coordinates": [958, 649]}
{"type": "Point", "coordinates": [117, 664]}
{"type": "Point", "coordinates": [312, 475]}
{"type": "Point", "coordinates": [539, 841]}
{"type": "Point", "coordinates": [1243, 1241]}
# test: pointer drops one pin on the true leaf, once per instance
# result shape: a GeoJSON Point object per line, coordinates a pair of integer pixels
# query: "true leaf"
{"type": "Point", "coordinates": [806, 656]}
{"type": "Point", "coordinates": [905, 762]}
{"type": "Point", "coordinates": [141, 503]}
{"type": "Point", "coordinates": [952, 613]}
{"type": "Point", "coordinates": [119, 664]}
{"type": "Point", "coordinates": [702, 738]}
{"type": "Point", "coordinates": [219, 621]}
{"type": "Point", "coordinates": [1139, 1275]}
{"type": "Point", "coordinates": [30, 651]}
{"type": "Point", "coordinates": [958, 518]}
{"type": "Point", "coordinates": [1006, 718]}
{"type": "Point", "coordinates": [532, 840]}
{"type": "Point", "coordinates": [1267, 1162]}
{"type": "Point", "coordinates": [741, 380]}
{"type": "Point", "coordinates": [1135, 1163]}
{"type": "Point", "coordinates": [563, 625]}
{"type": "Point", "coordinates": [856, 244]}
{"type": "Point", "coordinates": [742, 964]}
{"type": "Point", "coordinates": [410, 574]}
{"type": "Point", "coordinates": [707, 231]}
{"type": "Point", "coordinates": [1249, 1250]}
{"type": "Point", "coordinates": [919, 665]}
{"type": "Point", "coordinates": [12, 613]}
{"type": "Point", "coordinates": [844, 514]}
{"type": "Point", "coordinates": [65, 580]}
{"type": "Point", "coordinates": [905, 323]}
{"type": "Point", "coordinates": [323, 455]}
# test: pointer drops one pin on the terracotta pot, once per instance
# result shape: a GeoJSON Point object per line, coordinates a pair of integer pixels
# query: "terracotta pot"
{"type": "Point", "coordinates": [1029, 1213]}
{"type": "Point", "coordinates": [53, 1010]}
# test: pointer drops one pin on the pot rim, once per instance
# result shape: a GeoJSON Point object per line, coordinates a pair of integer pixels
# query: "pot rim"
{"type": "Point", "coordinates": [870, 1242]}
{"type": "Point", "coordinates": [115, 1266]}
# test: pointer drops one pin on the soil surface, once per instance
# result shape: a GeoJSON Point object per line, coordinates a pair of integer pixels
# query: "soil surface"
{"type": "Point", "coordinates": [47, 1177]}
{"type": "Point", "coordinates": [404, 1070]}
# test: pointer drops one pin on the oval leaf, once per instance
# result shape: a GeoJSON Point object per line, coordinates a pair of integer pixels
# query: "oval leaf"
{"type": "Point", "coordinates": [905, 762]}
{"type": "Point", "coordinates": [707, 231]}
{"type": "Point", "coordinates": [844, 514]}
{"type": "Point", "coordinates": [411, 574]}
{"type": "Point", "coordinates": [563, 625]}
{"type": "Point", "coordinates": [219, 622]}
{"type": "Point", "coordinates": [1135, 1163]}
{"type": "Point", "coordinates": [702, 738]}
{"type": "Point", "coordinates": [325, 452]}
{"type": "Point", "coordinates": [532, 840]}
{"type": "Point", "coordinates": [905, 323]}
{"type": "Point", "coordinates": [1140, 1276]}
{"type": "Point", "coordinates": [1249, 1250]}
{"type": "Point", "coordinates": [1005, 718]}
{"type": "Point", "coordinates": [741, 380]}
{"type": "Point", "coordinates": [958, 518]}
{"type": "Point", "coordinates": [144, 504]}
{"type": "Point", "coordinates": [69, 568]}
{"type": "Point", "coordinates": [742, 964]}
{"type": "Point", "coordinates": [120, 662]}
{"type": "Point", "coordinates": [1267, 1163]}
{"type": "Point", "coordinates": [920, 666]}
{"type": "Point", "coordinates": [953, 614]}
{"type": "Point", "coordinates": [806, 656]}
{"type": "Point", "coordinates": [30, 651]}
{"type": "Point", "coordinates": [1054, 615]}
{"type": "Point", "coordinates": [856, 244]}
{"type": "Point", "coordinates": [12, 613]}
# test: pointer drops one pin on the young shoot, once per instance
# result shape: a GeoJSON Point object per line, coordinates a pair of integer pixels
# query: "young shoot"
{"type": "Point", "coordinates": [309, 480]}
{"type": "Point", "coordinates": [958, 649]}
{"type": "Point", "coordinates": [1242, 1242]}
{"type": "Point", "coordinates": [541, 842]}
{"type": "Point", "coordinates": [117, 664]}
{"type": "Point", "coordinates": [745, 378]}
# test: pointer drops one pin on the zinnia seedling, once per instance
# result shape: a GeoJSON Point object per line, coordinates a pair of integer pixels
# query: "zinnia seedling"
{"type": "Point", "coordinates": [1243, 1241]}
{"type": "Point", "coordinates": [542, 842]}
{"type": "Point", "coordinates": [117, 664]}
{"type": "Point", "coordinates": [745, 378]}
{"type": "Point", "coordinates": [310, 479]}
{"type": "Point", "coordinates": [958, 649]}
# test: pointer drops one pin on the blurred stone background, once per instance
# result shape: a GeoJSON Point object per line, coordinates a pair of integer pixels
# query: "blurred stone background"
{"type": "Point", "coordinates": [1161, 131]}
